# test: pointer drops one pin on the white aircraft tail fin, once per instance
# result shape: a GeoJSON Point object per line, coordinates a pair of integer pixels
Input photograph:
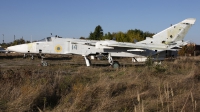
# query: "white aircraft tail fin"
{"type": "Point", "coordinates": [172, 34]}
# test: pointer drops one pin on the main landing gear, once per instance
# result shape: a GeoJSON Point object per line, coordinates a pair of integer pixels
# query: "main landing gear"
{"type": "Point", "coordinates": [114, 64]}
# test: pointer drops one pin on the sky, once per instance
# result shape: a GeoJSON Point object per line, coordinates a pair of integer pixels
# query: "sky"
{"type": "Point", "coordinates": [37, 19]}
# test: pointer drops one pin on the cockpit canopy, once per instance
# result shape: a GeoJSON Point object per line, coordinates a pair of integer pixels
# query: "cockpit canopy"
{"type": "Point", "coordinates": [42, 40]}
{"type": "Point", "coordinates": [48, 39]}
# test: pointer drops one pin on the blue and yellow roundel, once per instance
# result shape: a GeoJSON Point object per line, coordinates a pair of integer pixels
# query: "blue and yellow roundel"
{"type": "Point", "coordinates": [58, 48]}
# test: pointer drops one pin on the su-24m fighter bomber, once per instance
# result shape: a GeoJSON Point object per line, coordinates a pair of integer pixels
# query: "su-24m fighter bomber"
{"type": "Point", "coordinates": [158, 47]}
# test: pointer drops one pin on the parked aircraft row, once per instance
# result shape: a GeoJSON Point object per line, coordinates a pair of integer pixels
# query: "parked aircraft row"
{"type": "Point", "coordinates": [170, 39]}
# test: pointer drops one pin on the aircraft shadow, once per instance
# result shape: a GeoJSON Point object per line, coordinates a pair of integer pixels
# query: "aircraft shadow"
{"type": "Point", "coordinates": [59, 58]}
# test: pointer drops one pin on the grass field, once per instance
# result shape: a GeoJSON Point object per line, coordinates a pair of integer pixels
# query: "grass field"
{"type": "Point", "coordinates": [172, 86]}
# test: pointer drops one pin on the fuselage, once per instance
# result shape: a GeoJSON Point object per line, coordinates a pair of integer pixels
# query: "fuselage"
{"type": "Point", "coordinates": [55, 45]}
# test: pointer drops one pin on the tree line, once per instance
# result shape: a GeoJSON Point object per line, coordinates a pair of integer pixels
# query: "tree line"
{"type": "Point", "coordinates": [129, 36]}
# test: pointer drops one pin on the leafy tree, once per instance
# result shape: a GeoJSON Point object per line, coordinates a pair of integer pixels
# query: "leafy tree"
{"type": "Point", "coordinates": [91, 36]}
{"type": "Point", "coordinates": [108, 36]}
{"type": "Point", "coordinates": [4, 45]}
{"type": "Point", "coordinates": [19, 41]}
{"type": "Point", "coordinates": [138, 35]}
{"type": "Point", "coordinates": [97, 34]}
{"type": "Point", "coordinates": [82, 37]}
{"type": "Point", "coordinates": [128, 36]}
{"type": "Point", "coordinates": [122, 37]}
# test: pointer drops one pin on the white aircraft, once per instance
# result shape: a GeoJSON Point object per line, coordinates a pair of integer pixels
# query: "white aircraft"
{"type": "Point", "coordinates": [160, 45]}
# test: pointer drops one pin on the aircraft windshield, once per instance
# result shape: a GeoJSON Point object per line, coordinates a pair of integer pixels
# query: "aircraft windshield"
{"type": "Point", "coordinates": [43, 40]}
{"type": "Point", "coordinates": [48, 39]}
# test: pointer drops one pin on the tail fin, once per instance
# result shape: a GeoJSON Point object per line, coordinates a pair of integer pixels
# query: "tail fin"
{"type": "Point", "coordinates": [172, 34]}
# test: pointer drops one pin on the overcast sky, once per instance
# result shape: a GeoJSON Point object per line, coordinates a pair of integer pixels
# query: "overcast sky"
{"type": "Point", "coordinates": [77, 18]}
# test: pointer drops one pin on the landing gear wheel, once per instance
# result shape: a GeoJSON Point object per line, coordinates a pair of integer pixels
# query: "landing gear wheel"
{"type": "Point", "coordinates": [44, 63]}
{"type": "Point", "coordinates": [115, 64]}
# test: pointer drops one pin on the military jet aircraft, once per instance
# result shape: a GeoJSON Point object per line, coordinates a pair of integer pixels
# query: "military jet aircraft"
{"type": "Point", "coordinates": [157, 47]}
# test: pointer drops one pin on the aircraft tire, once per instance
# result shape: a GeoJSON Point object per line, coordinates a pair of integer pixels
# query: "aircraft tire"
{"type": "Point", "coordinates": [44, 63]}
{"type": "Point", "coordinates": [116, 64]}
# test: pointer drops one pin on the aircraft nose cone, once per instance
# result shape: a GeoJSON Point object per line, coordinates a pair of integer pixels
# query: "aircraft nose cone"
{"type": "Point", "coordinates": [11, 48]}
{"type": "Point", "coordinates": [18, 48]}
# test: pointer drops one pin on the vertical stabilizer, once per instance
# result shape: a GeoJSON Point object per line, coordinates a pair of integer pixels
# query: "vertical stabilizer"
{"type": "Point", "coordinates": [172, 34]}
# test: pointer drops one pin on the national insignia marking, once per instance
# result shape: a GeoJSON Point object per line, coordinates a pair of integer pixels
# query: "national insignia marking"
{"type": "Point", "coordinates": [58, 48]}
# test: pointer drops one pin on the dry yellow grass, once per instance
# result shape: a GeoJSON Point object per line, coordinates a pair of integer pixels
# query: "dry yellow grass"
{"type": "Point", "coordinates": [172, 86]}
